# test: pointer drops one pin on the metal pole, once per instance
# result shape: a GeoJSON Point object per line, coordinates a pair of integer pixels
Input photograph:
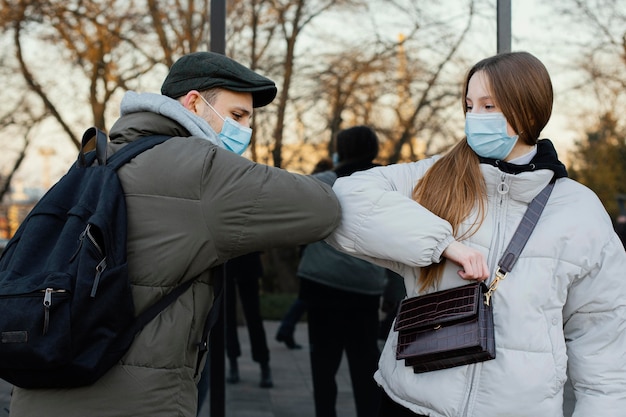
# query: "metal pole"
{"type": "Point", "coordinates": [217, 395]}
{"type": "Point", "coordinates": [217, 371]}
{"type": "Point", "coordinates": [218, 26]}
{"type": "Point", "coordinates": [504, 25]}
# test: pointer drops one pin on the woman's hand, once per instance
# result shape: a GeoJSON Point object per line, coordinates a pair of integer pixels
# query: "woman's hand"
{"type": "Point", "coordinates": [472, 262]}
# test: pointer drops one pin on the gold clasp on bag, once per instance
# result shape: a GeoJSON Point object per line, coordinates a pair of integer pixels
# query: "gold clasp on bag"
{"type": "Point", "coordinates": [494, 285]}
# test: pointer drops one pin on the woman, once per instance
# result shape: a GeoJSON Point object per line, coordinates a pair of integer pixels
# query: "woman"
{"type": "Point", "coordinates": [445, 220]}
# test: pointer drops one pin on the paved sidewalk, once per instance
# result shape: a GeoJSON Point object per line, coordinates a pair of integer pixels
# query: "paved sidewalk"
{"type": "Point", "coordinates": [292, 394]}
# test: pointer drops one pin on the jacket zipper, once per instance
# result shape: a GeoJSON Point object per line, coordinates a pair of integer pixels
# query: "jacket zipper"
{"type": "Point", "coordinates": [503, 189]}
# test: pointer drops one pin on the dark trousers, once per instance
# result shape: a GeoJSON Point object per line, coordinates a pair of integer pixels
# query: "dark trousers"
{"type": "Point", "coordinates": [342, 321]}
{"type": "Point", "coordinates": [292, 317]}
{"type": "Point", "coordinates": [247, 286]}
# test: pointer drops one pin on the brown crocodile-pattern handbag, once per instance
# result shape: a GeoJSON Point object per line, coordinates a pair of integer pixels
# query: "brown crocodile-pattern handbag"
{"type": "Point", "coordinates": [455, 327]}
{"type": "Point", "coordinates": [446, 328]}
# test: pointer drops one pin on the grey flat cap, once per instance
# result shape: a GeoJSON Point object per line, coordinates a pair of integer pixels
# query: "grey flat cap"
{"type": "Point", "coordinates": [204, 70]}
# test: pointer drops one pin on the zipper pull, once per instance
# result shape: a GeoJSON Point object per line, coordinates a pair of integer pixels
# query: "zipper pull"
{"type": "Point", "coordinates": [47, 302]}
{"type": "Point", "coordinates": [503, 187]}
{"type": "Point", "coordinates": [80, 243]}
{"type": "Point", "coordinates": [99, 270]}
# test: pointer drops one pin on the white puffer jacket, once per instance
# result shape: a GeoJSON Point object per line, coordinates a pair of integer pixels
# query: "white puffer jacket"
{"type": "Point", "coordinates": [562, 308]}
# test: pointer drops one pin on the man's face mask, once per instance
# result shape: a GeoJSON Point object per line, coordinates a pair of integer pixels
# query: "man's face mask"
{"type": "Point", "coordinates": [487, 136]}
{"type": "Point", "coordinates": [234, 136]}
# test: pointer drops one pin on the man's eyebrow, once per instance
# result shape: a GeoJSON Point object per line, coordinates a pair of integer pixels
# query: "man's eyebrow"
{"type": "Point", "coordinates": [242, 109]}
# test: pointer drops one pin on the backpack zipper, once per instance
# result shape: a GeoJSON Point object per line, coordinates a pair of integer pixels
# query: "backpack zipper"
{"type": "Point", "coordinates": [81, 238]}
{"type": "Point", "coordinates": [99, 270]}
{"type": "Point", "coordinates": [47, 302]}
{"type": "Point", "coordinates": [93, 239]}
{"type": "Point", "coordinates": [102, 265]}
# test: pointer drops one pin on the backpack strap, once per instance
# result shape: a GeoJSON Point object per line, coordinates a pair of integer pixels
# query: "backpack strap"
{"type": "Point", "coordinates": [96, 139]}
{"type": "Point", "coordinates": [134, 148]}
{"type": "Point", "coordinates": [214, 314]}
{"type": "Point", "coordinates": [86, 144]}
{"type": "Point", "coordinates": [151, 312]}
{"type": "Point", "coordinates": [119, 158]}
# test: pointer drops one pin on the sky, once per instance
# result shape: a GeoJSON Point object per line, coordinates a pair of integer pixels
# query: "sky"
{"type": "Point", "coordinates": [530, 32]}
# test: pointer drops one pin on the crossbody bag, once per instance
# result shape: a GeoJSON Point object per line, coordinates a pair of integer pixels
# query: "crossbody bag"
{"type": "Point", "coordinates": [455, 327]}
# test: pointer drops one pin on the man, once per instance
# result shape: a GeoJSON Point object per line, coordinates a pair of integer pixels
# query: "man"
{"type": "Point", "coordinates": [192, 204]}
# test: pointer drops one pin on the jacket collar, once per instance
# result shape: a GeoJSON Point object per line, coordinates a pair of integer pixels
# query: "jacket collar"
{"type": "Point", "coordinates": [546, 158]}
{"type": "Point", "coordinates": [523, 182]}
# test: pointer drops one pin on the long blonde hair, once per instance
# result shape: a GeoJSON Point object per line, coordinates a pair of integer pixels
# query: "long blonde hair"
{"type": "Point", "coordinates": [454, 186]}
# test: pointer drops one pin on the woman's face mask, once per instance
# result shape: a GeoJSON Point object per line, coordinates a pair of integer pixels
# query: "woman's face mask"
{"type": "Point", "coordinates": [234, 136]}
{"type": "Point", "coordinates": [487, 135]}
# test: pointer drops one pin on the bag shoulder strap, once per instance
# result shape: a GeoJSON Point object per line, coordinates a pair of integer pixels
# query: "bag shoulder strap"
{"type": "Point", "coordinates": [134, 148]}
{"type": "Point", "coordinates": [519, 239]}
{"type": "Point", "coordinates": [96, 140]}
{"type": "Point", "coordinates": [213, 317]}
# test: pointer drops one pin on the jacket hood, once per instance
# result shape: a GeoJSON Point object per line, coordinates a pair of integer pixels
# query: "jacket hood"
{"type": "Point", "coordinates": [154, 103]}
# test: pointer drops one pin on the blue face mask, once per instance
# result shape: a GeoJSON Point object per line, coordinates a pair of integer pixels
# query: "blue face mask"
{"type": "Point", "coordinates": [234, 136]}
{"type": "Point", "coordinates": [487, 136]}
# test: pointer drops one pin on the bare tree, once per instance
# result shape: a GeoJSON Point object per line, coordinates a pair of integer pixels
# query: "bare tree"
{"type": "Point", "coordinates": [291, 17]}
{"type": "Point", "coordinates": [403, 87]}
{"type": "Point", "coordinates": [251, 29]}
{"type": "Point", "coordinates": [181, 26]}
{"type": "Point", "coordinates": [19, 118]}
{"type": "Point", "coordinates": [598, 93]}
{"type": "Point", "coordinates": [599, 54]}
{"type": "Point", "coordinates": [599, 161]}
{"type": "Point", "coordinates": [95, 41]}
{"type": "Point", "coordinates": [102, 47]}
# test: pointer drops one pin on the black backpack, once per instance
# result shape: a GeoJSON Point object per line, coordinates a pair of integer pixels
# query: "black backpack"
{"type": "Point", "coordinates": [66, 308]}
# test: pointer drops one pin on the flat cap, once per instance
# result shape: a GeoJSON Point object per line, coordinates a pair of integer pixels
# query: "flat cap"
{"type": "Point", "coordinates": [205, 70]}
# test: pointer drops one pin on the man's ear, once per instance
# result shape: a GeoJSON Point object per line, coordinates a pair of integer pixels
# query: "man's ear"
{"type": "Point", "coordinates": [191, 101]}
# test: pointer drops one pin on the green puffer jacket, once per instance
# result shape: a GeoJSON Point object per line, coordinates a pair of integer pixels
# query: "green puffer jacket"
{"type": "Point", "coordinates": [191, 206]}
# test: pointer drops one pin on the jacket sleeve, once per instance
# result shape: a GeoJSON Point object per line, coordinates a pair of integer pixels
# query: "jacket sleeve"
{"type": "Point", "coordinates": [595, 330]}
{"type": "Point", "coordinates": [250, 207]}
{"type": "Point", "coordinates": [381, 222]}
